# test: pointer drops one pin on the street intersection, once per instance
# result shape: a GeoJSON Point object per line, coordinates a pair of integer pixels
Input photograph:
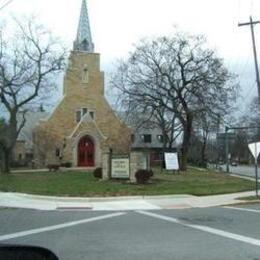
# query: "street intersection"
{"type": "Point", "coordinates": [231, 232]}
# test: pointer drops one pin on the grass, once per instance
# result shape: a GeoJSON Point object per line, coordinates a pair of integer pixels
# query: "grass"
{"type": "Point", "coordinates": [250, 198]}
{"type": "Point", "coordinates": [83, 184]}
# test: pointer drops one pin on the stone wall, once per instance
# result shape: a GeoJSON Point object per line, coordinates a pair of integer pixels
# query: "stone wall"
{"type": "Point", "coordinates": [137, 161]}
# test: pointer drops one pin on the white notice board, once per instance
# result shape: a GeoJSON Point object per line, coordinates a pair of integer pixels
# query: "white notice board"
{"type": "Point", "coordinates": [171, 161]}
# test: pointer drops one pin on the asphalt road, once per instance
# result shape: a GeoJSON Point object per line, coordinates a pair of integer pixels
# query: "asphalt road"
{"type": "Point", "coordinates": [248, 171]}
{"type": "Point", "coordinates": [209, 233]}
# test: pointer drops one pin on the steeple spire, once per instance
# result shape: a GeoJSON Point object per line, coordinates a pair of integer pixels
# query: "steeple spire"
{"type": "Point", "coordinates": [83, 41]}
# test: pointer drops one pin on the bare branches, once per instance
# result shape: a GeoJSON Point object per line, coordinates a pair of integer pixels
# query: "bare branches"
{"type": "Point", "coordinates": [25, 67]}
{"type": "Point", "coordinates": [29, 65]}
{"type": "Point", "coordinates": [179, 74]}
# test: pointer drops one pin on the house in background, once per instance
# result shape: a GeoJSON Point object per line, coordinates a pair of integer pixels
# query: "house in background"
{"type": "Point", "coordinates": [150, 140]}
{"type": "Point", "coordinates": [146, 136]}
{"type": "Point", "coordinates": [23, 152]}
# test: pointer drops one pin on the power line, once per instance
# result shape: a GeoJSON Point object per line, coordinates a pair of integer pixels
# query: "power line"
{"type": "Point", "coordinates": [6, 4]}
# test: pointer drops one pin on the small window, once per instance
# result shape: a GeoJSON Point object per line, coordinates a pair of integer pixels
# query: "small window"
{"type": "Point", "coordinates": [78, 116]}
{"type": "Point", "coordinates": [57, 152]}
{"type": "Point", "coordinates": [132, 138]}
{"type": "Point", "coordinates": [147, 138]}
{"type": "Point", "coordinates": [92, 114]}
{"type": "Point", "coordinates": [85, 76]}
{"type": "Point", "coordinates": [160, 138]}
{"type": "Point", "coordinates": [84, 111]}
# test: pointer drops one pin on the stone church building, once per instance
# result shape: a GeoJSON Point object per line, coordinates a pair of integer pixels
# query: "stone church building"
{"type": "Point", "coordinates": [83, 126]}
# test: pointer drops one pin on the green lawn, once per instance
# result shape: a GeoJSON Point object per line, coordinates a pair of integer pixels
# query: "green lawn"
{"type": "Point", "coordinates": [84, 184]}
{"type": "Point", "coordinates": [250, 198]}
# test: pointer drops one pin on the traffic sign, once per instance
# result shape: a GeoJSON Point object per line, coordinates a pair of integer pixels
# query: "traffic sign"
{"type": "Point", "coordinates": [254, 149]}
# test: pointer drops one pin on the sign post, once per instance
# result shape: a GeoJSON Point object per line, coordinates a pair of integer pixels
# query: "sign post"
{"type": "Point", "coordinates": [255, 150]}
{"type": "Point", "coordinates": [256, 171]}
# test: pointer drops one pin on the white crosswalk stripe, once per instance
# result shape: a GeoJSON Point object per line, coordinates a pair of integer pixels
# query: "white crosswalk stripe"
{"type": "Point", "coordinates": [243, 209]}
{"type": "Point", "coordinates": [214, 231]}
{"type": "Point", "coordinates": [60, 226]}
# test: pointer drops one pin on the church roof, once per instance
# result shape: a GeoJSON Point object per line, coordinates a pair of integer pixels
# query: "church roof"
{"type": "Point", "coordinates": [83, 41]}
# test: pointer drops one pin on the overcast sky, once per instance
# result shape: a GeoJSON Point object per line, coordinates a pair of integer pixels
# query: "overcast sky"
{"type": "Point", "coordinates": [117, 24]}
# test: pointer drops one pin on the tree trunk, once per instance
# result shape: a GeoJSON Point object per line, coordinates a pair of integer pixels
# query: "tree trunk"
{"type": "Point", "coordinates": [9, 144]}
{"type": "Point", "coordinates": [203, 151]}
{"type": "Point", "coordinates": [186, 142]}
{"type": "Point", "coordinates": [184, 159]}
{"type": "Point", "coordinates": [5, 162]}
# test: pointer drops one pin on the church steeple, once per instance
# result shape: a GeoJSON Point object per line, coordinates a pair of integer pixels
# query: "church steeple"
{"type": "Point", "coordinates": [83, 41]}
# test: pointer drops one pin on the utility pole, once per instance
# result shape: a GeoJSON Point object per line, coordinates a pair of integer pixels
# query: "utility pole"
{"type": "Point", "coordinates": [252, 23]}
{"type": "Point", "coordinates": [255, 152]}
{"type": "Point", "coordinates": [227, 148]}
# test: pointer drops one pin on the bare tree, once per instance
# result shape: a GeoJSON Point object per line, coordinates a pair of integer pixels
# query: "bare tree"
{"type": "Point", "coordinates": [204, 126]}
{"type": "Point", "coordinates": [45, 142]}
{"type": "Point", "coordinates": [159, 118]}
{"type": "Point", "coordinates": [239, 148]}
{"type": "Point", "coordinates": [251, 118]}
{"type": "Point", "coordinates": [169, 125]}
{"type": "Point", "coordinates": [29, 65]}
{"type": "Point", "coordinates": [179, 73]}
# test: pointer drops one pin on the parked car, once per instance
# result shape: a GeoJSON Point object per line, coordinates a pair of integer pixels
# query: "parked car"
{"type": "Point", "coordinates": [233, 164]}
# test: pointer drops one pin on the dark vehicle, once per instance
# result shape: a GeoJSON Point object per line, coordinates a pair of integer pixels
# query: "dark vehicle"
{"type": "Point", "coordinates": [20, 252]}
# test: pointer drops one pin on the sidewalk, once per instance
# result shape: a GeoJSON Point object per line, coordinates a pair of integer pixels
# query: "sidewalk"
{"type": "Point", "coordinates": [18, 200]}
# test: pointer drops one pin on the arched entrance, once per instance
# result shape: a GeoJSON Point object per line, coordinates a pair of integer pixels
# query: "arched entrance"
{"type": "Point", "coordinates": [86, 152]}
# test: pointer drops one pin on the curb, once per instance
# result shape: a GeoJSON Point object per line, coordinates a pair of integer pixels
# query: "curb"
{"type": "Point", "coordinates": [97, 199]}
{"type": "Point", "coordinates": [179, 201]}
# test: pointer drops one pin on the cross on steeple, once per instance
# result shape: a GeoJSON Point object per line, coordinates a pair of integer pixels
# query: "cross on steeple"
{"type": "Point", "coordinates": [83, 41]}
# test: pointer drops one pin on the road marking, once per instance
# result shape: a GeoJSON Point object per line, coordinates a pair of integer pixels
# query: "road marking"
{"type": "Point", "coordinates": [214, 231]}
{"type": "Point", "coordinates": [243, 209]}
{"type": "Point", "coordinates": [60, 226]}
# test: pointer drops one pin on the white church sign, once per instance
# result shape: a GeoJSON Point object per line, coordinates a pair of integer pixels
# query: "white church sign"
{"type": "Point", "coordinates": [120, 168]}
{"type": "Point", "coordinates": [171, 161]}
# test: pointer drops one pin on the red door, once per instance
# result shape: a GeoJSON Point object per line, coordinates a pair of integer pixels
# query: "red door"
{"type": "Point", "coordinates": [86, 152]}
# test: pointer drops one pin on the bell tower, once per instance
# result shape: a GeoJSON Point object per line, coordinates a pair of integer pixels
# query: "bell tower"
{"type": "Point", "coordinates": [83, 76]}
{"type": "Point", "coordinates": [83, 123]}
{"type": "Point", "coordinates": [83, 40]}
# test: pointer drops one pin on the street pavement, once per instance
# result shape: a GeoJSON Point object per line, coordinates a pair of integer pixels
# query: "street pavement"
{"type": "Point", "coordinates": [242, 171]}
{"type": "Point", "coordinates": [248, 171]}
{"type": "Point", "coordinates": [226, 232]}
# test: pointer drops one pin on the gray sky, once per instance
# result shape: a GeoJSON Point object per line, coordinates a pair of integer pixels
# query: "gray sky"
{"type": "Point", "coordinates": [117, 24]}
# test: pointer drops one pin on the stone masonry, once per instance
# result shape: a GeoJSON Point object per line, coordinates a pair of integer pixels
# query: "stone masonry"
{"type": "Point", "coordinates": [84, 88]}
